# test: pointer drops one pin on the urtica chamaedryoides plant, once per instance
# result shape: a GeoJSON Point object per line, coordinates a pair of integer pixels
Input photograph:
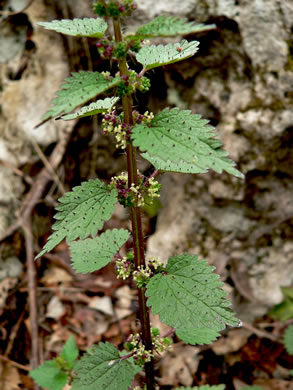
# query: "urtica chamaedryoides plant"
{"type": "Point", "coordinates": [186, 293]}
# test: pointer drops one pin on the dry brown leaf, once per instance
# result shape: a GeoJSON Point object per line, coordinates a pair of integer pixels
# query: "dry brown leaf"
{"type": "Point", "coordinates": [103, 304]}
{"type": "Point", "coordinates": [232, 342]}
{"type": "Point", "coordinates": [56, 276]}
{"type": "Point", "coordinates": [179, 365]}
{"type": "Point", "coordinates": [9, 377]}
{"type": "Point", "coordinates": [6, 285]}
{"type": "Point", "coordinates": [55, 308]}
{"type": "Point", "coordinates": [125, 296]}
{"type": "Point", "coordinates": [123, 306]}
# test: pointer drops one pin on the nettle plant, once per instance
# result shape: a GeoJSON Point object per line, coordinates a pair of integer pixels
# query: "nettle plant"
{"type": "Point", "coordinates": [186, 293]}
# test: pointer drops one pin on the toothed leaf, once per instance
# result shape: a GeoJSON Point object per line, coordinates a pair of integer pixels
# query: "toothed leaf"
{"type": "Point", "coordinates": [169, 26]}
{"type": "Point", "coordinates": [158, 55]}
{"type": "Point", "coordinates": [288, 339]}
{"type": "Point", "coordinates": [81, 213]}
{"type": "Point", "coordinates": [93, 254]}
{"type": "Point", "coordinates": [204, 387]}
{"type": "Point", "coordinates": [190, 299]}
{"type": "Point", "coordinates": [180, 141]}
{"type": "Point", "coordinates": [99, 106]}
{"type": "Point", "coordinates": [70, 351]}
{"type": "Point", "coordinates": [102, 368]}
{"type": "Point", "coordinates": [79, 89]}
{"type": "Point", "coordinates": [49, 376]}
{"type": "Point", "coordinates": [87, 27]}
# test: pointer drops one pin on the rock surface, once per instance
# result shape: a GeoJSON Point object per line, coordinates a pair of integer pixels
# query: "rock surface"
{"type": "Point", "coordinates": [29, 78]}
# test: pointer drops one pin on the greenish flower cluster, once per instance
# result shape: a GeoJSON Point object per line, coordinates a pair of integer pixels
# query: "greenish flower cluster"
{"type": "Point", "coordinates": [143, 274]}
{"type": "Point", "coordinates": [113, 124]}
{"type": "Point", "coordinates": [138, 82]}
{"type": "Point", "coordinates": [109, 49]}
{"type": "Point", "coordinates": [160, 344]}
{"type": "Point", "coordinates": [140, 354]}
{"type": "Point", "coordinates": [114, 9]}
{"type": "Point", "coordinates": [133, 82]}
{"type": "Point", "coordinates": [124, 266]}
{"type": "Point", "coordinates": [135, 195]}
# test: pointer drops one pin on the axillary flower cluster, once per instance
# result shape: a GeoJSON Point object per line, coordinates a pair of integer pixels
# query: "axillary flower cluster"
{"type": "Point", "coordinates": [140, 354]}
{"type": "Point", "coordinates": [113, 123]}
{"type": "Point", "coordinates": [138, 195]}
{"type": "Point", "coordinates": [124, 267]}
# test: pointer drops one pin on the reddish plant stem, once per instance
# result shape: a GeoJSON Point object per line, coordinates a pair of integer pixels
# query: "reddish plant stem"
{"type": "Point", "coordinates": [137, 233]}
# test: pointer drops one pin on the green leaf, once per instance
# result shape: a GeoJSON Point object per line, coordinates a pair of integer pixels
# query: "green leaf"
{"type": "Point", "coordinates": [180, 141]}
{"type": "Point", "coordinates": [81, 213]}
{"type": "Point", "coordinates": [158, 55]}
{"type": "Point", "coordinates": [168, 26]}
{"type": "Point", "coordinates": [288, 339]}
{"type": "Point", "coordinates": [287, 291]}
{"type": "Point", "coordinates": [93, 254]}
{"type": "Point", "coordinates": [87, 27]}
{"type": "Point", "coordinates": [69, 351]}
{"type": "Point", "coordinates": [102, 368]}
{"type": "Point", "coordinates": [204, 387]}
{"type": "Point", "coordinates": [78, 90]}
{"type": "Point", "coordinates": [49, 376]}
{"type": "Point", "coordinates": [190, 299]}
{"type": "Point", "coordinates": [283, 311]}
{"type": "Point", "coordinates": [97, 107]}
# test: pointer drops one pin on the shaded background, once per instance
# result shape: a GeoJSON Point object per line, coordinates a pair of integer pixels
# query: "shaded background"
{"type": "Point", "coordinates": [241, 79]}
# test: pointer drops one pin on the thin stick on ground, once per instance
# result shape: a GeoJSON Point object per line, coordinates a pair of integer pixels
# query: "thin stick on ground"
{"type": "Point", "coordinates": [31, 277]}
{"type": "Point", "coordinates": [14, 364]}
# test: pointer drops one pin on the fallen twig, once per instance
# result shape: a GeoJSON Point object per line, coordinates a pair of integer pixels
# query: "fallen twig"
{"type": "Point", "coordinates": [15, 364]}
{"type": "Point", "coordinates": [31, 276]}
{"type": "Point", "coordinates": [258, 332]}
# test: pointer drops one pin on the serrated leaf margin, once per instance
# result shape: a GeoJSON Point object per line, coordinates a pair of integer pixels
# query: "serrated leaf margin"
{"type": "Point", "coordinates": [97, 107]}
{"type": "Point", "coordinates": [87, 371]}
{"type": "Point", "coordinates": [153, 56]}
{"type": "Point", "coordinates": [204, 311]}
{"type": "Point", "coordinates": [168, 26]}
{"type": "Point", "coordinates": [86, 27]}
{"type": "Point", "coordinates": [179, 141]}
{"type": "Point", "coordinates": [70, 224]}
{"type": "Point", "coordinates": [83, 86]}
{"type": "Point", "coordinates": [92, 254]}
